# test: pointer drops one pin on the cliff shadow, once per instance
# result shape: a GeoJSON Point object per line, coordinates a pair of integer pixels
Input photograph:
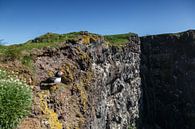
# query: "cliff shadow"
{"type": "Point", "coordinates": [167, 71]}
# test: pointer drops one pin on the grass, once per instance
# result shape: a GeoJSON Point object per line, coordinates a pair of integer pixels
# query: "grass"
{"type": "Point", "coordinates": [119, 39]}
{"type": "Point", "coordinates": [53, 37]}
{"type": "Point", "coordinates": [52, 40]}
{"type": "Point", "coordinates": [15, 101]}
{"type": "Point", "coordinates": [47, 40]}
{"type": "Point", "coordinates": [28, 62]}
{"type": "Point", "coordinates": [15, 51]}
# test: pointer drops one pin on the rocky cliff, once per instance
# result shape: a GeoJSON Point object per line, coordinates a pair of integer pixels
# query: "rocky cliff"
{"type": "Point", "coordinates": [101, 85]}
{"type": "Point", "coordinates": [109, 82]}
{"type": "Point", "coordinates": [116, 90]}
{"type": "Point", "coordinates": [168, 80]}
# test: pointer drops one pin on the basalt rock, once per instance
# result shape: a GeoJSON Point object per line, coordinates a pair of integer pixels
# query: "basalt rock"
{"type": "Point", "coordinates": [168, 80]}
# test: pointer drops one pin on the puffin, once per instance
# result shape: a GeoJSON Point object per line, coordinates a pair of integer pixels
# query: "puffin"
{"type": "Point", "coordinates": [53, 80]}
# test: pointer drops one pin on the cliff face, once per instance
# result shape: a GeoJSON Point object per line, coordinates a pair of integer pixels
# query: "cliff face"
{"type": "Point", "coordinates": [126, 85]}
{"type": "Point", "coordinates": [168, 80]}
{"type": "Point", "coordinates": [63, 105]}
{"type": "Point", "coordinates": [101, 87]}
{"type": "Point", "coordinates": [116, 89]}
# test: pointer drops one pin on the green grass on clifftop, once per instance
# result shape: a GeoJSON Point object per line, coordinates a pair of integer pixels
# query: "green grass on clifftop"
{"type": "Point", "coordinates": [53, 37]}
{"type": "Point", "coordinates": [19, 51]}
{"type": "Point", "coordinates": [52, 40]}
{"type": "Point", "coordinates": [46, 40]}
{"type": "Point", "coordinates": [118, 39]}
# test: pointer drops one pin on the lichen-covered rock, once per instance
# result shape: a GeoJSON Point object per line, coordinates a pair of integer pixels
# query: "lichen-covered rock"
{"type": "Point", "coordinates": [67, 103]}
{"type": "Point", "coordinates": [100, 90]}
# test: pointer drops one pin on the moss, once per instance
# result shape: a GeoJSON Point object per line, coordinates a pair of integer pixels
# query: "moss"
{"type": "Point", "coordinates": [49, 114]}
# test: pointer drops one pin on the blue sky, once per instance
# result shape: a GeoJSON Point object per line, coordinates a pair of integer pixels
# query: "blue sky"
{"type": "Point", "coordinates": [21, 20]}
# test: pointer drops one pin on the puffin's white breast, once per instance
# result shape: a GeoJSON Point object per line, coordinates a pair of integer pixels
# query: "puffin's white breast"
{"type": "Point", "coordinates": [57, 80]}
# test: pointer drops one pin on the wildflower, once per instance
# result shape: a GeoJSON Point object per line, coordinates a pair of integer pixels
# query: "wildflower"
{"type": "Point", "coordinates": [17, 106]}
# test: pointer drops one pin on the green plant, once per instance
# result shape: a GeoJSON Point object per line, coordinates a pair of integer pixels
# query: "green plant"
{"type": "Point", "coordinates": [27, 61]}
{"type": "Point", "coordinates": [54, 38]}
{"type": "Point", "coordinates": [48, 40]}
{"type": "Point", "coordinates": [131, 127]}
{"type": "Point", "coordinates": [15, 101]}
{"type": "Point", "coordinates": [118, 39]}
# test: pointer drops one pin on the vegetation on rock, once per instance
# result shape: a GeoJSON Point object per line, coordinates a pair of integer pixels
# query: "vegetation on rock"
{"type": "Point", "coordinates": [15, 100]}
{"type": "Point", "coordinates": [53, 37]}
{"type": "Point", "coordinates": [118, 39]}
{"type": "Point", "coordinates": [52, 40]}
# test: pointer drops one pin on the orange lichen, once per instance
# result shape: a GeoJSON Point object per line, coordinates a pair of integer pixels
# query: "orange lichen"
{"type": "Point", "coordinates": [89, 38]}
{"type": "Point", "coordinates": [86, 39]}
{"type": "Point", "coordinates": [49, 114]}
{"type": "Point", "coordinates": [50, 73]}
{"type": "Point", "coordinates": [68, 71]}
{"type": "Point", "coordinates": [83, 95]}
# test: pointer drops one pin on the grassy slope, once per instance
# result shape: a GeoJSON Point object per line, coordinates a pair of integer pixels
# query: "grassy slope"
{"type": "Point", "coordinates": [52, 40]}
{"type": "Point", "coordinates": [47, 40]}
{"type": "Point", "coordinates": [118, 39]}
{"type": "Point", "coordinates": [53, 37]}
